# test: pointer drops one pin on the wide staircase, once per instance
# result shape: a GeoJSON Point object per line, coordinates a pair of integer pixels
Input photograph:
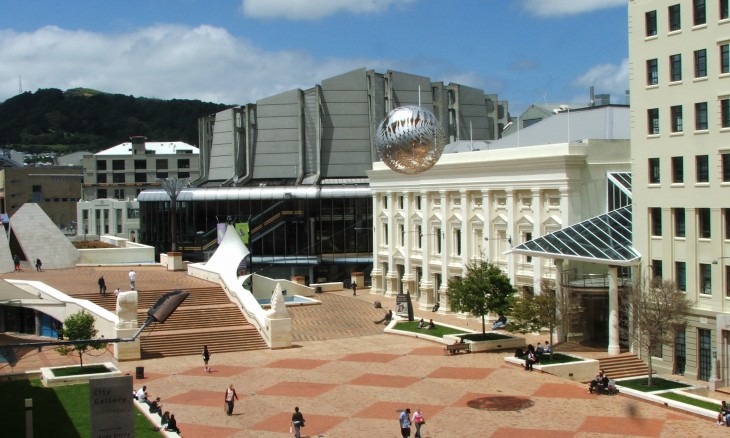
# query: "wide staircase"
{"type": "Point", "coordinates": [623, 365]}
{"type": "Point", "coordinates": [206, 317]}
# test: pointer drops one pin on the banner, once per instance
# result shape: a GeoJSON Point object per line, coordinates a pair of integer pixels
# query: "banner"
{"type": "Point", "coordinates": [221, 232]}
{"type": "Point", "coordinates": [242, 230]}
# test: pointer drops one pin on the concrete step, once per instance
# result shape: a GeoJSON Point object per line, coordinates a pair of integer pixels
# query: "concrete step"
{"type": "Point", "coordinates": [623, 365]}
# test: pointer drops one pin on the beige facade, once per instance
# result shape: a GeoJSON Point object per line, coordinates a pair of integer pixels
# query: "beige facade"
{"type": "Point", "coordinates": [476, 206]}
{"type": "Point", "coordinates": [680, 103]}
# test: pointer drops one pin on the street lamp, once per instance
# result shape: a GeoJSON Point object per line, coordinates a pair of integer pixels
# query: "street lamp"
{"type": "Point", "coordinates": [717, 260]}
{"type": "Point", "coordinates": [173, 187]}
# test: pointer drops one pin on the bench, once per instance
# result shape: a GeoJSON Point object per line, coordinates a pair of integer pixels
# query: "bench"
{"type": "Point", "coordinates": [456, 348]}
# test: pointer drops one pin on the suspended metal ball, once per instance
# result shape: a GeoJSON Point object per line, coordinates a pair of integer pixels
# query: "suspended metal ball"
{"type": "Point", "coordinates": [410, 140]}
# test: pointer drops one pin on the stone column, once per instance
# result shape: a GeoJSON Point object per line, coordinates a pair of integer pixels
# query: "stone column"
{"type": "Point", "coordinates": [376, 275]}
{"type": "Point", "coordinates": [613, 335]}
{"type": "Point", "coordinates": [428, 296]}
{"type": "Point", "coordinates": [487, 213]}
{"type": "Point", "coordinates": [443, 298]}
{"type": "Point", "coordinates": [391, 277]}
{"type": "Point", "coordinates": [409, 279]}
{"type": "Point", "coordinates": [537, 262]}
{"type": "Point", "coordinates": [511, 233]}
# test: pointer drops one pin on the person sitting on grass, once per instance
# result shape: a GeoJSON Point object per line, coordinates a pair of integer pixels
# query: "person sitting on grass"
{"type": "Point", "coordinates": [431, 325]}
{"type": "Point", "coordinates": [422, 324]}
{"type": "Point", "coordinates": [501, 322]}
{"type": "Point", "coordinates": [386, 319]}
{"type": "Point", "coordinates": [548, 349]}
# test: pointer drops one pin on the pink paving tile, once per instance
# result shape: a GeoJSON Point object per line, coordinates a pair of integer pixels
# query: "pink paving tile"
{"type": "Point", "coordinates": [509, 432]}
{"type": "Point", "coordinates": [384, 380]}
{"type": "Point", "coordinates": [391, 410]}
{"type": "Point", "coordinates": [298, 364]}
{"type": "Point", "coordinates": [428, 351]}
{"type": "Point", "coordinates": [199, 398]}
{"type": "Point", "coordinates": [314, 425]}
{"type": "Point", "coordinates": [493, 402]}
{"type": "Point", "coordinates": [563, 390]}
{"type": "Point", "coordinates": [148, 377]}
{"type": "Point", "coordinates": [200, 430]}
{"type": "Point", "coordinates": [370, 357]}
{"type": "Point", "coordinates": [297, 389]}
{"type": "Point", "coordinates": [622, 426]}
{"type": "Point", "coordinates": [216, 371]}
{"type": "Point", "coordinates": [460, 373]}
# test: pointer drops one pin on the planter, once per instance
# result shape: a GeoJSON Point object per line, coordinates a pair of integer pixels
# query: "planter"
{"type": "Point", "coordinates": [582, 371]}
{"type": "Point", "coordinates": [49, 379]}
{"type": "Point", "coordinates": [511, 342]}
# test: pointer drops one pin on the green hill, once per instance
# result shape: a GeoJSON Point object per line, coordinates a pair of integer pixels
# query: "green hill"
{"type": "Point", "coordinates": [86, 119]}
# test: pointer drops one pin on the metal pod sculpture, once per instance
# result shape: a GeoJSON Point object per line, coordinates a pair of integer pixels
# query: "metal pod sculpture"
{"type": "Point", "coordinates": [410, 140]}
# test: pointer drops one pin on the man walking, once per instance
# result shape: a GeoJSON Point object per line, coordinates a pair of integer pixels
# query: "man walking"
{"type": "Point", "coordinates": [102, 285]}
{"type": "Point", "coordinates": [230, 397]}
{"type": "Point", "coordinates": [132, 279]}
{"type": "Point", "coordinates": [405, 423]}
{"type": "Point", "coordinates": [297, 421]}
{"type": "Point", "coordinates": [354, 288]}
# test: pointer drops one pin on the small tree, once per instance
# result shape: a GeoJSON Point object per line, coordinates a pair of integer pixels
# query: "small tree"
{"type": "Point", "coordinates": [655, 309]}
{"type": "Point", "coordinates": [483, 289]}
{"type": "Point", "coordinates": [79, 326]}
{"type": "Point", "coordinates": [533, 313]}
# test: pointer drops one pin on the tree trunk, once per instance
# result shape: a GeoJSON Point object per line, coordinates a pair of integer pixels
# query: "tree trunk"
{"type": "Point", "coordinates": [484, 325]}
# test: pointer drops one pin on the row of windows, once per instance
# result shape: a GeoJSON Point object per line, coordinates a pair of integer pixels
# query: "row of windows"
{"type": "Point", "coordinates": [680, 276]}
{"type": "Point", "coordinates": [675, 65]}
{"type": "Point", "coordinates": [160, 163]}
{"type": "Point", "coordinates": [702, 169]}
{"type": "Point", "coordinates": [120, 178]}
{"type": "Point", "coordinates": [676, 115]}
{"type": "Point", "coordinates": [703, 220]}
{"type": "Point", "coordinates": [674, 16]}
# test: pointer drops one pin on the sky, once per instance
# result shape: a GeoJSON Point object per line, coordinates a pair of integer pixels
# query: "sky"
{"type": "Point", "coordinates": [237, 51]}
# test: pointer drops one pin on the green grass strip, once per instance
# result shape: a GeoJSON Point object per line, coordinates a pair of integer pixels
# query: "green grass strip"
{"type": "Point", "coordinates": [439, 331]}
{"type": "Point", "coordinates": [710, 406]}
{"type": "Point", "coordinates": [77, 371]}
{"type": "Point", "coordinates": [658, 384]}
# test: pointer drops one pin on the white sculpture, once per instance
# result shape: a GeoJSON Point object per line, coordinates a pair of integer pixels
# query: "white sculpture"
{"type": "Point", "coordinates": [127, 309]}
{"type": "Point", "coordinates": [278, 305]}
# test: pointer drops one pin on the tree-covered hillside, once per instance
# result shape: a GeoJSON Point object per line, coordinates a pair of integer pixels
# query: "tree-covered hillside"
{"type": "Point", "coordinates": [83, 119]}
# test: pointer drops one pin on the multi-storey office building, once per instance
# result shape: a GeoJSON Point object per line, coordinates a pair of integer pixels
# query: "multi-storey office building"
{"type": "Point", "coordinates": [680, 88]}
{"type": "Point", "coordinates": [293, 166]}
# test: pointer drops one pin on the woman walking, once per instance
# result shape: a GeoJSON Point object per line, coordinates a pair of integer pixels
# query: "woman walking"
{"type": "Point", "coordinates": [206, 358]}
{"type": "Point", "coordinates": [230, 397]}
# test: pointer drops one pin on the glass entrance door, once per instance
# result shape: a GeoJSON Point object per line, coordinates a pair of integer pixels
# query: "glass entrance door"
{"type": "Point", "coordinates": [705, 354]}
{"type": "Point", "coordinates": [680, 351]}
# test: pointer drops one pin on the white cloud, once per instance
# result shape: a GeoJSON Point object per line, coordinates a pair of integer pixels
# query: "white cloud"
{"type": "Point", "coordinates": [313, 9]}
{"type": "Point", "coordinates": [163, 61]}
{"type": "Point", "coordinates": [606, 78]}
{"type": "Point", "coordinates": [555, 8]}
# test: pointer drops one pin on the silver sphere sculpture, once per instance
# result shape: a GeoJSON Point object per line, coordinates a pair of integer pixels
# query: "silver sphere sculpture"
{"type": "Point", "coordinates": [410, 140]}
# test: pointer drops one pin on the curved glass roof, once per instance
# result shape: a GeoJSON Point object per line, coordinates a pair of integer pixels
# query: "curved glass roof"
{"type": "Point", "coordinates": [604, 239]}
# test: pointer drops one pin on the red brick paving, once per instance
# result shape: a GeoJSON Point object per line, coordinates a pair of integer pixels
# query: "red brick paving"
{"type": "Point", "coordinates": [370, 357]}
{"type": "Point", "coordinates": [314, 425]}
{"type": "Point", "coordinates": [217, 371]}
{"type": "Point", "coordinates": [384, 380]}
{"type": "Point", "coordinates": [199, 398]}
{"type": "Point", "coordinates": [297, 389]}
{"type": "Point", "coordinates": [298, 364]}
{"type": "Point", "coordinates": [460, 373]}
{"type": "Point", "coordinates": [551, 390]}
{"type": "Point", "coordinates": [623, 426]}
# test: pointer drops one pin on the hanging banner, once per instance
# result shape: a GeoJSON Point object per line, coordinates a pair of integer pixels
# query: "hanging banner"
{"type": "Point", "coordinates": [221, 232]}
{"type": "Point", "coordinates": [242, 230]}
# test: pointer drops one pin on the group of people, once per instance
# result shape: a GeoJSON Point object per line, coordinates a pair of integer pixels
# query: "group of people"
{"type": "Point", "coordinates": [533, 354]}
{"type": "Point", "coordinates": [102, 282]}
{"type": "Point", "coordinates": [723, 417]}
{"type": "Point", "coordinates": [423, 324]}
{"type": "Point", "coordinates": [405, 419]}
{"type": "Point", "coordinates": [167, 420]}
{"type": "Point", "coordinates": [599, 383]}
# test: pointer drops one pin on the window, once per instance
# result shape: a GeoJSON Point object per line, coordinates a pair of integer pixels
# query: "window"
{"type": "Point", "coordinates": [680, 274]}
{"type": "Point", "coordinates": [457, 242]}
{"type": "Point", "coordinates": [418, 202]}
{"type": "Point", "coordinates": [654, 175]}
{"type": "Point", "coordinates": [724, 9]}
{"type": "Point", "coordinates": [675, 68]}
{"type": "Point", "coordinates": [703, 222]}
{"type": "Point", "coordinates": [656, 270]}
{"type": "Point", "coordinates": [101, 178]}
{"type": "Point", "coordinates": [725, 167]}
{"type": "Point", "coordinates": [101, 193]}
{"type": "Point", "coordinates": [701, 116]}
{"type": "Point", "coordinates": [140, 164]}
{"type": "Point", "coordinates": [401, 234]}
{"type": "Point", "coordinates": [656, 347]}
{"type": "Point", "coordinates": [698, 12]}
{"type": "Point", "coordinates": [676, 112]}
{"type": "Point", "coordinates": [118, 193]}
{"type": "Point", "coordinates": [725, 58]}
{"type": "Point", "coordinates": [183, 174]}
{"type": "Point", "coordinates": [438, 240]}
{"type": "Point", "coordinates": [726, 214]}
{"type": "Point", "coordinates": [400, 202]}
{"type": "Point", "coordinates": [675, 22]}
{"type": "Point", "coordinates": [656, 221]}
{"type": "Point", "coordinates": [653, 120]}
{"type": "Point", "coordinates": [140, 177]}
{"type": "Point", "coordinates": [385, 234]}
{"type": "Point", "coordinates": [117, 164]}
{"type": "Point", "coordinates": [727, 283]}
{"type": "Point", "coordinates": [419, 242]}
{"type": "Point", "coordinates": [652, 72]}
{"type": "Point", "coordinates": [677, 170]}
{"type": "Point", "coordinates": [161, 163]}
{"type": "Point", "coordinates": [118, 178]}
{"type": "Point", "coordinates": [100, 164]}
{"type": "Point", "coordinates": [725, 113]}
{"type": "Point", "coordinates": [161, 175]}
{"type": "Point", "coordinates": [679, 222]}
{"type": "Point", "coordinates": [651, 26]}
{"type": "Point", "coordinates": [703, 169]}
{"type": "Point", "coordinates": [705, 279]}
{"type": "Point", "coordinates": [701, 63]}
{"type": "Point", "coordinates": [183, 163]}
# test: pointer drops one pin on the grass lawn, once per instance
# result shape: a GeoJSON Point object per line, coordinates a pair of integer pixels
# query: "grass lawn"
{"type": "Point", "coordinates": [439, 331]}
{"type": "Point", "coordinates": [484, 337]}
{"type": "Point", "coordinates": [558, 358]}
{"type": "Point", "coordinates": [77, 370]}
{"type": "Point", "coordinates": [57, 412]}
{"type": "Point", "coordinates": [710, 406]}
{"type": "Point", "coordinates": [658, 384]}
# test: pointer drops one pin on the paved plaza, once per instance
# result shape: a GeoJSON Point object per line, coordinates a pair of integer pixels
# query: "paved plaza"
{"type": "Point", "coordinates": [352, 380]}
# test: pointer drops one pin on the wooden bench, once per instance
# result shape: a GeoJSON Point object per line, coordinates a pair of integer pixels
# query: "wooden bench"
{"type": "Point", "coordinates": [456, 348]}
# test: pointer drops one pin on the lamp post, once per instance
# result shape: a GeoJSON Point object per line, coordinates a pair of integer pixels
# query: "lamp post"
{"type": "Point", "coordinates": [173, 187]}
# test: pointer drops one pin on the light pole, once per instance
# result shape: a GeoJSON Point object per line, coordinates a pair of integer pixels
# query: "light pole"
{"type": "Point", "coordinates": [173, 187]}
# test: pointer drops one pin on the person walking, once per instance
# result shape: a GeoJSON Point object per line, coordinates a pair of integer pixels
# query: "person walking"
{"type": "Point", "coordinates": [38, 265]}
{"type": "Point", "coordinates": [418, 420]}
{"type": "Point", "coordinates": [354, 288]}
{"type": "Point", "coordinates": [16, 262]}
{"type": "Point", "coordinates": [206, 358]}
{"type": "Point", "coordinates": [102, 285]}
{"type": "Point", "coordinates": [405, 423]}
{"type": "Point", "coordinates": [231, 396]}
{"type": "Point", "coordinates": [297, 422]}
{"type": "Point", "coordinates": [132, 279]}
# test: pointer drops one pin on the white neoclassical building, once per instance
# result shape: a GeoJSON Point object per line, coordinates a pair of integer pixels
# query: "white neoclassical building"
{"type": "Point", "coordinates": [480, 204]}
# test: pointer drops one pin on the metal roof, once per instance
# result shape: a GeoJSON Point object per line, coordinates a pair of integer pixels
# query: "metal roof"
{"type": "Point", "coordinates": [258, 193]}
{"type": "Point", "coordinates": [604, 239]}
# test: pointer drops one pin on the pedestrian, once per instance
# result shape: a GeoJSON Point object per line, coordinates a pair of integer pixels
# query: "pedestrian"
{"type": "Point", "coordinates": [116, 292]}
{"type": "Point", "coordinates": [102, 285]}
{"type": "Point", "coordinates": [418, 420]}
{"type": "Point", "coordinates": [16, 262]}
{"type": "Point", "coordinates": [231, 396]}
{"type": "Point", "coordinates": [38, 265]}
{"type": "Point", "coordinates": [206, 358]}
{"type": "Point", "coordinates": [405, 423]}
{"type": "Point", "coordinates": [354, 288]}
{"type": "Point", "coordinates": [297, 421]}
{"type": "Point", "coordinates": [132, 279]}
